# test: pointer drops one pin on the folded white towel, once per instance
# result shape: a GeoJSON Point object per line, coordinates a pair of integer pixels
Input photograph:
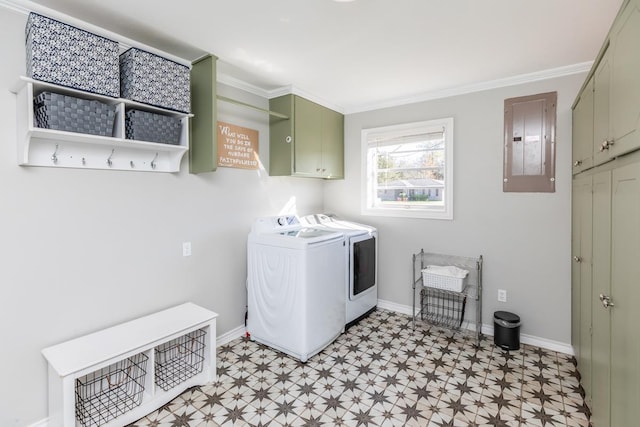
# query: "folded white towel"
{"type": "Point", "coordinates": [447, 270]}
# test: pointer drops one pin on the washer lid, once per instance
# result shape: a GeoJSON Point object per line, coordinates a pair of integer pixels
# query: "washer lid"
{"type": "Point", "coordinates": [296, 238]}
{"type": "Point", "coordinates": [326, 222]}
{"type": "Point", "coordinates": [308, 233]}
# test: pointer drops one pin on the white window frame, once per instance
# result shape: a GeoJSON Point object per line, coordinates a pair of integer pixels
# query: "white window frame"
{"type": "Point", "coordinates": [368, 206]}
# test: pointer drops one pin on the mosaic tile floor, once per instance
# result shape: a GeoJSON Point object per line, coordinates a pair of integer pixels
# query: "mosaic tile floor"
{"type": "Point", "coordinates": [383, 373]}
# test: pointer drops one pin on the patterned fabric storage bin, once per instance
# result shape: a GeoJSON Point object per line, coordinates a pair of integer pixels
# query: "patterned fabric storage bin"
{"type": "Point", "coordinates": [145, 126]}
{"type": "Point", "coordinates": [65, 55]}
{"type": "Point", "coordinates": [62, 112]}
{"type": "Point", "coordinates": [154, 80]}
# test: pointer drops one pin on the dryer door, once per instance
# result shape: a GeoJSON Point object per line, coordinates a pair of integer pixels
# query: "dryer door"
{"type": "Point", "coordinates": [363, 265]}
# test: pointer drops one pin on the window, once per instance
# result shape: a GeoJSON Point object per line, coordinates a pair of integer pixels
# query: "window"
{"type": "Point", "coordinates": [408, 170]}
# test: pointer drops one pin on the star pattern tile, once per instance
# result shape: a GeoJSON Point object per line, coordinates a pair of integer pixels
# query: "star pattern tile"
{"type": "Point", "coordinates": [382, 372]}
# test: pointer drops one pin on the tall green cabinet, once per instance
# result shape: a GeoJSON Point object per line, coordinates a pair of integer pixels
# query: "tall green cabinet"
{"type": "Point", "coordinates": [606, 227]}
{"type": "Point", "coordinates": [203, 145]}
{"type": "Point", "coordinates": [309, 142]}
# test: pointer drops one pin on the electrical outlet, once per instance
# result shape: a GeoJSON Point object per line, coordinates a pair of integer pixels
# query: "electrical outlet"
{"type": "Point", "coordinates": [186, 249]}
{"type": "Point", "coordinates": [502, 295]}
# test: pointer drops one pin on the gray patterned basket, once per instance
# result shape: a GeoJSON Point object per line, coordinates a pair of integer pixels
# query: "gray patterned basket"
{"type": "Point", "coordinates": [144, 126]}
{"type": "Point", "coordinates": [154, 80]}
{"type": "Point", "coordinates": [65, 55]}
{"type": "Point", "coordinates": [62, 112]}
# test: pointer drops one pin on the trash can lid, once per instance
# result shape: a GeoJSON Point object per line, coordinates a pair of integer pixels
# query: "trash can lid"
{"type": "Point", "coordinates": [506, 316]}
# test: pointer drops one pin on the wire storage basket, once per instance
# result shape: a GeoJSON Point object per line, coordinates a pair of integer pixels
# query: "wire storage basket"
{"type": "Point", "coordinates": [434, 278]}
{"type": "Point", "coordinates": [111, 391]}
{"type": "Point", "coordinates": [442, 307]}
{"type": "Point", "coordinates": [450, 291]}
{"type": "Point", "coordinates": [180, 359]}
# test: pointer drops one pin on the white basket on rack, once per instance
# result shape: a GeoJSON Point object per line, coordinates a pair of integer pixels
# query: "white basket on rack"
{"type": "Point", "coordinates": [448, 278]}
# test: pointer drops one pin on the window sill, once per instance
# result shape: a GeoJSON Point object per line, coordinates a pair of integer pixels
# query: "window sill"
{"type": "Point", "coordinates": [408, 213]}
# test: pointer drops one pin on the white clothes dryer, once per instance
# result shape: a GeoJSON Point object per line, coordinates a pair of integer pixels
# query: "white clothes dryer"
{"type": "Point", "coordinates": [360, 258]}
{"type": "Point", "coordinates": [295, 300]}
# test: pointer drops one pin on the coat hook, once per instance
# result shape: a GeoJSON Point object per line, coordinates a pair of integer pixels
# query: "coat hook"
{"type": "Point", "coordinates": [133, 165]}
{"type": "Point", "coordinates": [84, 161]}
{"type": "Point", "coordinates": [54, 156]}
{"type": "Point", "coordinates": [153, 162]}
{"type": "Point", "coordinates": [109, 162]}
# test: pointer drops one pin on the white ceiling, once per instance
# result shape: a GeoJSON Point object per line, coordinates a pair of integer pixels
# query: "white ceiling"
{"type": "Point", "coordinates": [366, 53]}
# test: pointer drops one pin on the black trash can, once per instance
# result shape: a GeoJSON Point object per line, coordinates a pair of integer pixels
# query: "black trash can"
{"type": "Point", "coordinates": [506, 330]}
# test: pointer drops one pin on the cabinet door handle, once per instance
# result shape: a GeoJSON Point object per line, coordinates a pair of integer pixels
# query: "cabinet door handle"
{"type": "Point", "coordinates": [577, 259]}
{"type": "Point", "coordinates": [603, 147]}
{"type": "Point", "coordinates": [577, 163]}
{"type": "Point", "coordinates": [606, 301]}
{"type": "Point", "coordinates": [606, 144]}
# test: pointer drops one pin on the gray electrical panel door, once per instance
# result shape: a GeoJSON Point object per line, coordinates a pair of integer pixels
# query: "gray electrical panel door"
{"type": "Point", "coordinates": [529, 146]}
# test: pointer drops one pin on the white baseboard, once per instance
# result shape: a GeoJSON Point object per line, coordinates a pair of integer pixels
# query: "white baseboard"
{"type": "Point", "coordinates": [41, 423]}
{"type": "Point", "coordinates": [392, 306]}
{"type": "Point", "coordinates": [230, 336]}
{"type": "Point", "coordinates": [488, 330]}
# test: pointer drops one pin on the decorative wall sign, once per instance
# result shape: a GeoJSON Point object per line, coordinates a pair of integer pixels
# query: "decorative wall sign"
{"type": "Point", "coordinates": [237, 147]}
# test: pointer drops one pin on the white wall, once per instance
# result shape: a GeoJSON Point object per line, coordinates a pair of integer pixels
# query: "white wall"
{"type": "Point", "coordinates": [523, 237]}
{"type": "Point", "coordinates": [81, 250]}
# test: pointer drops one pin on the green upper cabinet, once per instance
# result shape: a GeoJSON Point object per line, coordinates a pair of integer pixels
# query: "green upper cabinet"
{"type": "Point", "coordinates": [625, 84]}
{"type": "Point", "coordinates": [583, 130]}
{"type": "Point", "coordinates": [309, 143]}
{"type": "Point", "coordinates": [203, 145]}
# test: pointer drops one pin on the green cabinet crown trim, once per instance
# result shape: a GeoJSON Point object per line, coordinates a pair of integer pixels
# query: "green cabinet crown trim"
{"type": "Point", "coordinates": [203, 148]}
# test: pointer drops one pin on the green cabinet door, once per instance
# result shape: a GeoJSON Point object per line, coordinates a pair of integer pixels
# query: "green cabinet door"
{"type": "Point", "coordinates": [333, 145]}
{"type": "Point", "coordinates": [281, 135]}
{"type": "Point", "coordinates": [308, 138]}
{"type": "Point", "coordinates": [203, 144]}
{"type": "Point", "coordinates": [581, 277]}
{"type": "Point", "coordinates": [582, 147]}
{"type": "Point", "coordinates": [625, 84]}
{"type": "Point", "coordinates": [625, 294]}
{"type": "Point", "coordinates": [601, 110]}
{"type": "Point", "coordinates": [599, 389]}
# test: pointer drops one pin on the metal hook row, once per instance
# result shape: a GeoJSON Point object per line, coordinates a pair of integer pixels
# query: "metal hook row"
{"type": "Point", "coordinates": [54, 159]}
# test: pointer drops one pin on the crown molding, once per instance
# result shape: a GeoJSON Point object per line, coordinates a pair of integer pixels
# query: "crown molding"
{"type": "Point", "coordinates": [552, 73]}
{"type": "Point", "coordinates": [236, 83]}
{"type": "Point", "coordinates": [290, 89]}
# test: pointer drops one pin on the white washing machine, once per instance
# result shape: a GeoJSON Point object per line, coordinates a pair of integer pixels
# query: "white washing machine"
{"type": "Point", "coordinates": [360, 258]}
{"type": "Point", "coordinates": [294, 286]}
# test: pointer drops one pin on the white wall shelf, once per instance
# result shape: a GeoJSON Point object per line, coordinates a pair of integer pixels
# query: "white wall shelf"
{"type": "Point", "coordinates": [149, 335]}
{"type": "Point", "coordinates": [53, 148]}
